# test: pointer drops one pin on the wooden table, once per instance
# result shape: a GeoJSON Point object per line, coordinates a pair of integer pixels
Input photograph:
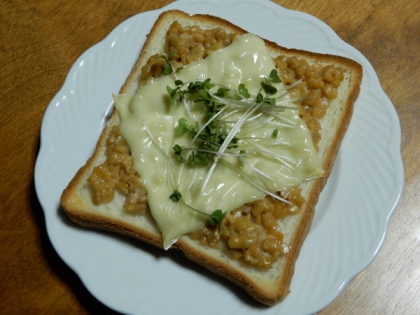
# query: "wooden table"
{"type": "Point", "coordinates": [40, 41]}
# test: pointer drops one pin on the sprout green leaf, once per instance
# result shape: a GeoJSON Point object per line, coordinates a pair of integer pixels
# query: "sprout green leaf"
{"type": "Point", "coordinates": [176, 196]}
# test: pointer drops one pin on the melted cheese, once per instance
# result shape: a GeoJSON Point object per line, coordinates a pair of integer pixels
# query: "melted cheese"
{"type": "Point", "coordinates": [149, 122]}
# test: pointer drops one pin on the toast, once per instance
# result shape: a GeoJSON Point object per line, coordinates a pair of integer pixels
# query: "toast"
{"type": "Point", "coordinates": [266, 285]}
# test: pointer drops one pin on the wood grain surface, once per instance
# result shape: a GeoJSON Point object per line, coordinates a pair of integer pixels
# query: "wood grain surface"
{"type": "Point", "coordinates": [40, 41]}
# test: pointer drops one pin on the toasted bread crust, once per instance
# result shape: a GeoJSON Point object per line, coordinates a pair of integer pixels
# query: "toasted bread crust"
{"type": "Point", "coordinates": [76, 203]}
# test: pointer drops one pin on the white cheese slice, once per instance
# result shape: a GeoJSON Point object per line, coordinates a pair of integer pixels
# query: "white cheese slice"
{"type": "Point", "coordinates": [148, 126]}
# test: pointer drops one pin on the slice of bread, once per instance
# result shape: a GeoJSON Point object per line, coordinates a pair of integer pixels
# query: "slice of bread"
{"type": "Point", "coordinates": [267, 286]}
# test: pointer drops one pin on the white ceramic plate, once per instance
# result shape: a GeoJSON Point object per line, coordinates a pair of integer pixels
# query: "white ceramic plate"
{"type": "Point", "coordinates": [352, 215]}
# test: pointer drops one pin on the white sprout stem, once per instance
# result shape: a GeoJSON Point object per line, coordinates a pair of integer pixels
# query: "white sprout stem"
{"type": "Point", "coordinates": [170, 173]}
{"type": "Point", "coordinates": [248, 120]}
{"type": "Point", "coordinates": [292, 123]}
{"type": "Point", "coordinates": [258, 171]}
{"type": "Point", "coordinates": [253, 126]}
{"type": "Point", "coordinates": [174, 72]}
{"type": "Point", "coordinates": [190, 115]}
{"type": "Point", "coordinates": [293, 85]}
{"type": "Point", "coordinates": [246, 176]}
{"type": "Point", "coordinates": [278, 157]}
{"type": "Point", "coordinates": [282, 95]}
{"type": "Point", "coordinates": [206, 124]}
{"type": "Point", "coordinates": [272, 140]}
{"type": "Point", "coordinates": [250, 102]}
{"type": "Point", "coordinates": [255, 117]}
{"type": "Point", "coordinates": [229, 137]}
{"type": "Point", "coordinates": [195, 210]}
{"type": "Point", "coordinates": [287, 101]}
{"type": "Point", "coordinates": [227, 150]}
{"type": "Point", "coordinates": [264, 182]}
{"type": "Point", "coordinates": [216, 153]}
{"type": "Point", "coordinates": [278, 124]}
{"type": "Point", "coordinates": [152, 138]}
{"type": "Point", "coordinates": [230, 114]}
{"type": "Point", "coordinates": [266, 108]}
{"type": "Point", "coordinates": [242, 102]}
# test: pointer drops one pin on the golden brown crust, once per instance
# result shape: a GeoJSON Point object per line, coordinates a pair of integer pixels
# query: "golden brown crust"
{"type": "Point", "coordinates": [77, 209]}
